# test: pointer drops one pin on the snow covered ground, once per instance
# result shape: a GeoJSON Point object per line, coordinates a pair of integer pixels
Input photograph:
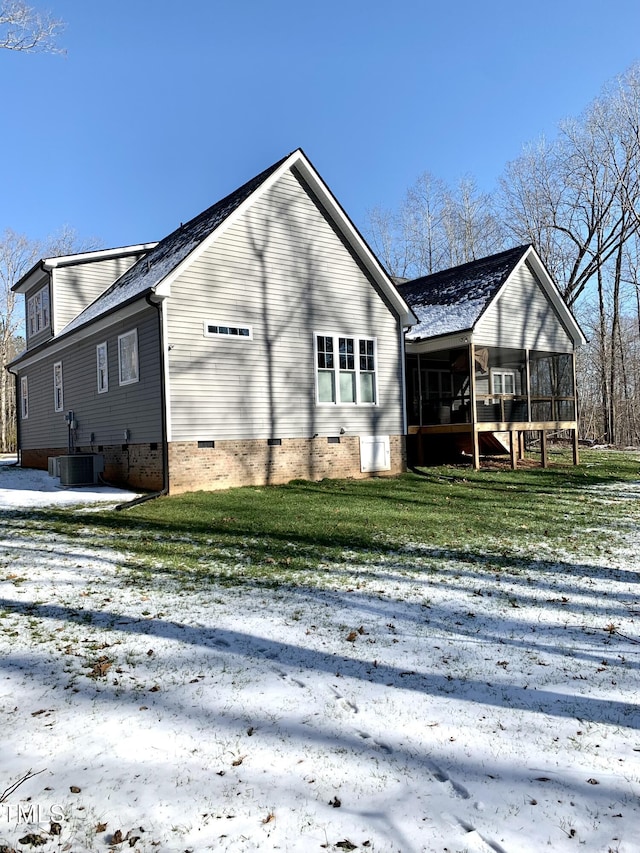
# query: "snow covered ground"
{"type": "Point", "coordinates": [421, 701]}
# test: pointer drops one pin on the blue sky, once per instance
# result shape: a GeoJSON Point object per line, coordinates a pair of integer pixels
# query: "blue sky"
{"type": "Point", "coordinates": [161, 108]}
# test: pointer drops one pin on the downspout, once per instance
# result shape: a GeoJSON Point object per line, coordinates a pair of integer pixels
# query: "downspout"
{"type": "Point", "coordinates": [18, 418]}
{"type": "Point", "coordinates": [163, 420]}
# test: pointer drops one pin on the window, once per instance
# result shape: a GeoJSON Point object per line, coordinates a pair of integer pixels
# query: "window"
{"type": "Point", "coordinates": [102, 367]}
{"type": "Point", "coordinates": [24, 397]}
{"type": "Point", "coordinates": [58, 398]}
{"type": "Point", "coordinates": [504, 381]}
{"type": "Point", "coordinates": [345, 369]}
{"type": "Point", "coordinates": [38, 313]}
{"type": "Point", "coordinates": [128, 357]}
{"type": "Point", "coordinates": [227, 330]}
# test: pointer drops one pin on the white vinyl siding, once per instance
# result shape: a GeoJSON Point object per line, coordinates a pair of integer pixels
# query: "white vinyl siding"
{"type": "Point", "coordinates": [283, 270]}
{"type": "Point", "coordinates": [76, 286]}
{"type": "Point", "coordinates": [102, 367]}
{"type": "Point", "coordinates": [523, 317]}
{"type": "Point", "coordinates": [58, 392]}
{"type": "Point", "coordinates": [128, 357]}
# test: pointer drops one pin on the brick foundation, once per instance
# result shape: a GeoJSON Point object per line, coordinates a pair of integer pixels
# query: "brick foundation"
{"type": "Point", "coordinates": [39, 458]}
{"type": "Point", "coordinates": [227, 463]}
{"type": "Point", "coordinates": [247, 463]}
{"type": "Point", "coordinates": [132, 466]}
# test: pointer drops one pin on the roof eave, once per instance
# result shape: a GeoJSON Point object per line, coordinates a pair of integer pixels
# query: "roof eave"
{"type": "Point", "coordinates": [45, 265]}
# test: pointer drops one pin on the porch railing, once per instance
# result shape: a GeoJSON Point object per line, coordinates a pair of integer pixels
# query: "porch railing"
{"type": "Point", "coordinates": [496, 408]}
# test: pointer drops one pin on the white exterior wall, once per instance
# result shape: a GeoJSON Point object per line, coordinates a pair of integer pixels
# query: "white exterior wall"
{"type": "Point", "coordinates": [523, 317]}
{"type": "Point", "coordinates": [78, 285]}
{"type": "Point", "coordinates": [281, 269]}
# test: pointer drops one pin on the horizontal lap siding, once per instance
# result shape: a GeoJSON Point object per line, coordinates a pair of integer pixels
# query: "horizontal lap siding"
{"type": "Point", "coordinates": [135, 407]}
{"type": "Point", "coordinates": [282, 269]}
{"type": "Point", "coordinates": [76, 287]}
{"type": "Point", "coordinates": [524, 318]}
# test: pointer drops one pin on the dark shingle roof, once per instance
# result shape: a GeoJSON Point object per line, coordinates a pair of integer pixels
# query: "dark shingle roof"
{"type": "Point", "coordinates": [150, 270]}
{"type": "Point", "coordinates": [453, 300]}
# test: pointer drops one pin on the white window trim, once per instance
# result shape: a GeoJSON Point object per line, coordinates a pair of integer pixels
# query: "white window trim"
{"type": "Point", "coordinates": [497, 371]}
{"type": "Point", "coordinates": [336, 369]}
{"type": "Point", "coordinates": [227, 336]}
{"type": "Point", "coordinates": [102, 389]}
{"type": "Point", "coordinates": [39, 311]}
{"type": "Point", "coordinates": [58, 387]}
{"type": "Point", "coordinates": [24, 397]}
{"type": "Point", "coordinates": [134, 334]}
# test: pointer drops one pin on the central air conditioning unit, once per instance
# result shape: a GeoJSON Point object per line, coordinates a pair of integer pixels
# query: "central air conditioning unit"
{"type": "Point", "coordinates": [80, 469]}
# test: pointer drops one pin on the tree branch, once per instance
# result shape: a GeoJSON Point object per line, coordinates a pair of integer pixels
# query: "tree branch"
{"type": "Point", "coordinates": [25, 30]}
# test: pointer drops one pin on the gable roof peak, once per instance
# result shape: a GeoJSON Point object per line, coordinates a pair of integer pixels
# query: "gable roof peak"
{"type": "Point", "coordinates": [453, 300]}
{"type": "Point", "coordinates": [168, 257]}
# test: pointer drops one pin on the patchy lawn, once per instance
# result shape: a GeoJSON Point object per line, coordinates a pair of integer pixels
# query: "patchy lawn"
{"type": "Point", "coordinates": [442, 662]}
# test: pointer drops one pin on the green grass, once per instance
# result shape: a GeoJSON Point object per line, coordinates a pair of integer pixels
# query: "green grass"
{"type": "Point", "coordinates": [288, 534]}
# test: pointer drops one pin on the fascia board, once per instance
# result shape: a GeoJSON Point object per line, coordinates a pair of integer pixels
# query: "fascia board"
{"type": "Point", "coordinates": [457, 339]}
{"type": "Point", "coordinates": [97, 255]}
{"type": "Point", "coordinates": [36, 275]}
{"type": "Point", "coordinates": [44, 265]}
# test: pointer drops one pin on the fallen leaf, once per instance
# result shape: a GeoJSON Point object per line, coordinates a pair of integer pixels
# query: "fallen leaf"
{"type": "Point", "coordinates": [335, 802]}
{"type": "Point", "coordinates": [33, 840]}
{"type": "Point", "coordinates": [74, 789]}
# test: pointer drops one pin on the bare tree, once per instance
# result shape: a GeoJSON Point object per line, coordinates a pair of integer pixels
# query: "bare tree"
{"type": "Point", "coordinates": [578, 200]}
{"type": "Point", "coordinates": [435, 227]}
{"type": "Point", "coordinates": [24, 29]}
{"type": "Point", "coordinates": [470, 224]}
{"type": "Point", "coordinates": [17, 255]}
